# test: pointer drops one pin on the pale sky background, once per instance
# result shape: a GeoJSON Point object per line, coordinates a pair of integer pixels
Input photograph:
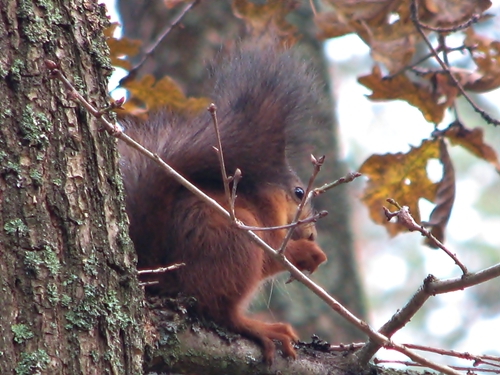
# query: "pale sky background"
{"type": "Point", "coordinates": [387, 268]}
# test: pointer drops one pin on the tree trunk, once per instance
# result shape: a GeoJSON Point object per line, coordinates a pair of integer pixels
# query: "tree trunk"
{"type": "Point", "coordinates": [70, 302]}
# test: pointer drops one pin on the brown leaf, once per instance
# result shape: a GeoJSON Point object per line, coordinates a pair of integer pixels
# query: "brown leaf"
{"type": "Point", "coordinates": [486, 55]}
{"type": "Point", "coordinates": [472, 140]}
{"type": "Point", "coordinates": [120, 49]}
{"type": "Point", "coordinates": [445, 197]}
{"type": "Point", "coordinates": [363, 10]}
{"type": "Point", "coordinates": [443, 87]}
{"type": "Point", "coordinates": [169, 4]}
{"type": "Point", "coordinates": [402, 177]}
{"type": "Point", "coordinates": [349, 16]}
{"type": "Point", "coordinates": [331, 26]}
{"type": "Point", "coordinates": [387, 28]}
{"type": "Point", "coordinates": [384, 25]}
{"type": "Point", "coordinates": [147, 94]}
{"type": "Point", "coordinates": [450, 13]}
{"type": "Point", "coordinates": [400, 87]}
{"type": "Point", "coordinates": [270, 16]}
{"type": "Point", "coordinates": [394, 54]}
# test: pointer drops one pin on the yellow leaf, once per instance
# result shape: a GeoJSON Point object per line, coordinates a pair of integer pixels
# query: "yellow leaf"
{"type": "Point", "coordinates": [402, 177]}
{"type": "Point", "coordinates": [121, 49]}
{"type": "Point", "coordinates": [163, 93]}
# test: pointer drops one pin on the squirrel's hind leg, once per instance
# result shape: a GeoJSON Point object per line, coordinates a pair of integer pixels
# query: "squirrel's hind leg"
{"type": "Point", "coordinates": [264, 334]}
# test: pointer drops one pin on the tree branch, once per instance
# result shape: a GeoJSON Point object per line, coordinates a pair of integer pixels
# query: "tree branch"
{"type": "Point", "coordinates": [430, 287]}
{"type": "Point", "coordinates": [187, 347]}
{"type": "Point", "coordinates": [151, 49]}
{"type": "Point", "coordinates": [418, 26]}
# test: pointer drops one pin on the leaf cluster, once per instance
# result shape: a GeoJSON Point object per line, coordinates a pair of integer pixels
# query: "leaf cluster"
{"type": "Point", "coordinates": [146, 93]}
{"type": "Point", "coordinates": [395, 31]}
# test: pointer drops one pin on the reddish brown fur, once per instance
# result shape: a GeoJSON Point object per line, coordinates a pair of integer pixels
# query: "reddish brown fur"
{"type": "Point", "coordinates": [169, 224]}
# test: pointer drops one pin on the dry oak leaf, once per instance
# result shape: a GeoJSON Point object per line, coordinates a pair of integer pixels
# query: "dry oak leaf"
{"type": "Point", "coordinates": [363, 10]}
{"type": "Point", "coordinates": [377, 14]}
{"type": "Point", "coordinates": [120, 49]}
{"type": "Point", "coordinates": [272, 14]}
{"type": "Point", "coordinates": [451, 13]}
{"type": "Point", "coordinates": [402, 177]}
{"type": "Point", "coordinates": [443, 87]}
{"type": "Point", "coordinates": [384, 25]}
{"type": "Point", "coordinates": [149, 94]}
{"type": "Point", "coordinates": [400, 87]}
{"type": "Point", "coordinates": [394, 54]}
{"type": "Point", "coordinates": [330, 25]}
{"type": "Point", "coordinates": [348, 16]}
{"type": "Point", "coordinates": [445, 197]}
{"type": "Point", "coordinates": [486, 55]}
{"type": "Point", "coordinates": [473, 141]}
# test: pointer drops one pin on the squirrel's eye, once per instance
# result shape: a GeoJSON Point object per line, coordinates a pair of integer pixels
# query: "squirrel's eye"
{"type": "Point", "coordinates": [299, 192]}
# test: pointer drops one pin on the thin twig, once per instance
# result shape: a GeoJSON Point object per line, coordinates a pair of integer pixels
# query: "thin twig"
{"type": "Point", "coordinates": [161, 269]}
{"type": "Point", "coordinates": [478, 359]}
{"type": "Point", "coordinates": [150, 50]}
{"type": "Point", "coordinates": [442, 46]}
{"type": "Point", "coordinates": [428, 56]}
{"type": "Point", "coordinates": [311, 219]}
{"type": "Point", "coordinates": [404, 218]}
{"type": "Point", "coordinates": [458, 85]}
{"type": "Point", "coordinates": [313, 8]}
{"type": "Point", "coordinates": [470, 370]}
{"type": "Point", "coordinates": [235, 179]}
{"type": "Point", "coordinates": [145, 284]}
{"type": "Point", "coordinates": [351, 176]}
{"type": "Point", "coordinates": [212, 109]}
{"type": "Point", "coordinates": [317, 163]}
{"type": "Point", "coordinates": [430, 287]}
{"type": "Point", "coordinates": [445, 30]}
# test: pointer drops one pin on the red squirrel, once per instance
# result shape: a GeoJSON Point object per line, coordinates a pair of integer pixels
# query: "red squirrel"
{"type": "Point", "coordinates": [264, 102]}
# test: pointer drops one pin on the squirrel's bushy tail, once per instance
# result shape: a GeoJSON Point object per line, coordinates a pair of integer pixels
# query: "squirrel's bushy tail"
{"type": "Point", "coordinates": [264, 101]}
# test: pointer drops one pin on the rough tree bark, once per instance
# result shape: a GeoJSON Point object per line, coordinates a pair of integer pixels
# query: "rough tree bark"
{"type": "Point", "coordinates": [70, 302]}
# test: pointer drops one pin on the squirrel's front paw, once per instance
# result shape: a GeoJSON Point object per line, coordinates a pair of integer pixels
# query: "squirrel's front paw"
{"type": "Point", "coordinates": [305, 255]}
